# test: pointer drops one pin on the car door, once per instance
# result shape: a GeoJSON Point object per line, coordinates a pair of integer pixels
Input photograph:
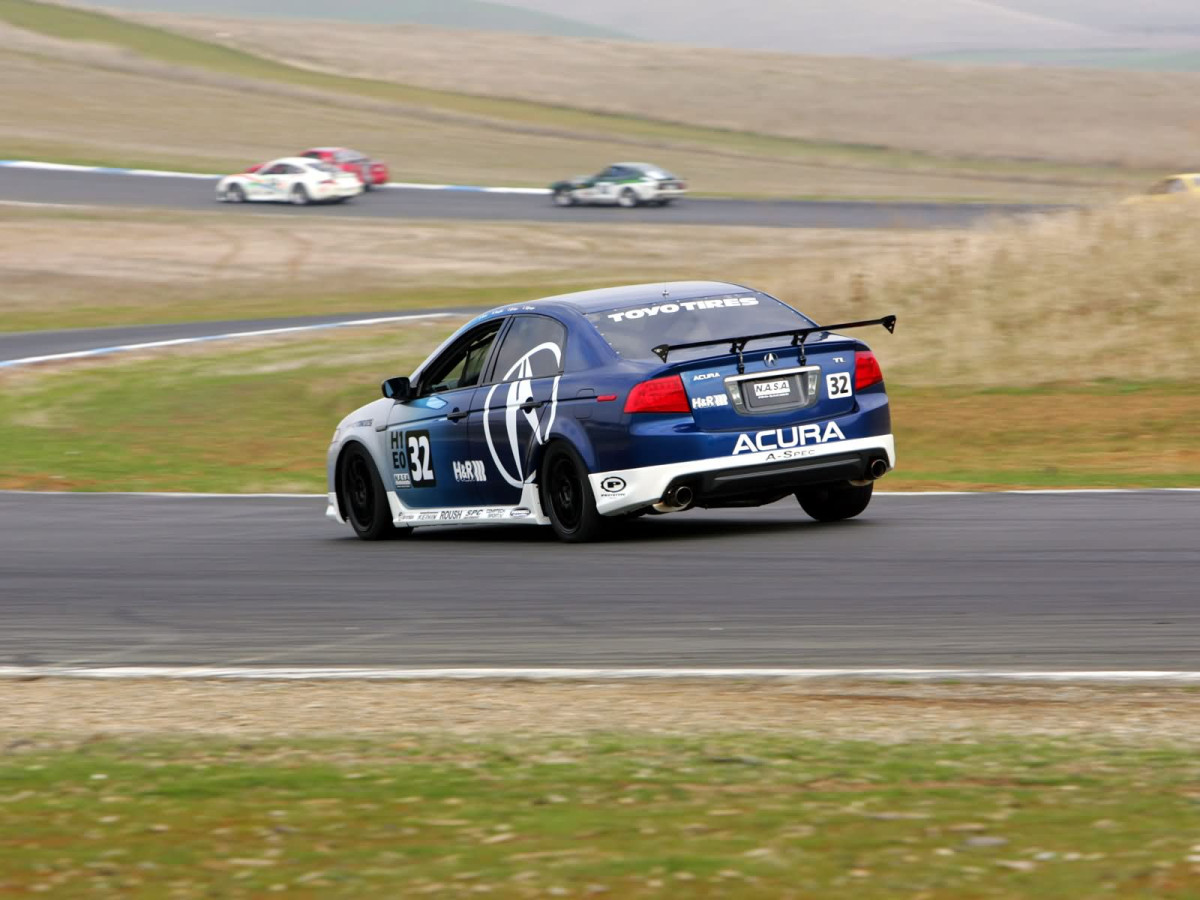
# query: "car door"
{"type": "Point", "coordinates": [514, 414]}
{"type": "Point", "coordinates": [274, 182]}
{"type": "Point", "coordinates": [605, 188]}
{"type": "Point", "coordinates": [427, 441]}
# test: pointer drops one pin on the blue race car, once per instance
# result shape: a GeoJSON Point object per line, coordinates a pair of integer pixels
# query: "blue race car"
{"type": "Point", "coordinates": [579, 410]}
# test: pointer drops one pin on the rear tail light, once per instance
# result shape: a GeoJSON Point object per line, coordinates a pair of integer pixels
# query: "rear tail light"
{"type": "Point", "coordinates": [659, 395]}
{"type": "Point", "coordinates": [866, 370]}
{"type": "Point", "coordinates": [328, 181]}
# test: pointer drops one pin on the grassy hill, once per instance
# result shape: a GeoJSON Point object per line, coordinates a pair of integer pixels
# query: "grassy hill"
{"type": "Point", "coordinates": [525, 111]}
{"type": "Point", "coordinates": [475, 14]}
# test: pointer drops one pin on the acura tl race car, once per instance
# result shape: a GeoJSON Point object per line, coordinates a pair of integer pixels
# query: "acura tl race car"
{"type": "Point", "coordinates": [293, 179]}
{"type": "Point", "coordinates": [622, 184]}
{"type": "Point", "coordinates": [578, 410]}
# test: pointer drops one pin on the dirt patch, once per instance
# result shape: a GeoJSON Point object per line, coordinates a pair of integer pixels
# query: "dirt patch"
{"type": "Point", "coordinates": [837, 710]}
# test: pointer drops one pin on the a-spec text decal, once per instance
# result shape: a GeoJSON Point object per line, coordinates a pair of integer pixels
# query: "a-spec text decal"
{"type": "Point", "coordinates": [412, 459]}
{"type": "Point", "coordinates": [684, 305]}
{"type": "Point", "coordinates": [786, 438]}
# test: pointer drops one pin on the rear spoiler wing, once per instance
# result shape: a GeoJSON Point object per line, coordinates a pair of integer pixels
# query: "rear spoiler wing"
{"type": "Point", "coordinates": [798, 336]}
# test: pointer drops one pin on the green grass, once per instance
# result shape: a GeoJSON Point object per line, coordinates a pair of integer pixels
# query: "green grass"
{"type": "Point", "coordinates": [178, 50]}
{"type": "Point", "coordinates": [259, 418]}
{"type": "Point", "coordinates": [620, 816]}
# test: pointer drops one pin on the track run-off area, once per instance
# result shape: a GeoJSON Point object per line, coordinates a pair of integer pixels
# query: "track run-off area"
{"type": "Point", "coordinates": [1006, 582]}
{"type": "Point", "coordinates": [38, 183]}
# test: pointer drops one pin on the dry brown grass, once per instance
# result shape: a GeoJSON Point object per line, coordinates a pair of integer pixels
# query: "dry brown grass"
{"type": "Point", "coordinates": [113, 267]}
{"type": "Point", "coordinates": [1069, 115]}
{"type": "Point", "coordinates": [1066, 298]}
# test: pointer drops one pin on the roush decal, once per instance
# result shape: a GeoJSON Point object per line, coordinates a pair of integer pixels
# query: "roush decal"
{"type": "Point", "coordinates": [639, 312]}
{"type": "Point", "coordinates": [786, 438]}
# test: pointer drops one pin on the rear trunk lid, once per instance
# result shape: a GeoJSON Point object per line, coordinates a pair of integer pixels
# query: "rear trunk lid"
{"type": "Point", "coordinates": [774, 387]}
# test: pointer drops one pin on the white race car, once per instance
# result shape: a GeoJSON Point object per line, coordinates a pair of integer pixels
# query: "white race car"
{"type": "Point", "coordinates": [626, 184]}
{"type": "Point", "coordinates": [293, 179]}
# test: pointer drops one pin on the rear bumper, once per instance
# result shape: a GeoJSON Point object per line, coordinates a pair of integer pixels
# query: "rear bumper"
{"type": "Point", "coordinates": [715, 482]}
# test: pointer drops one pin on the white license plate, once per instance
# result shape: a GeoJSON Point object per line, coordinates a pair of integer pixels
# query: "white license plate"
{"type": "Point", "coordinates": [766, 390]}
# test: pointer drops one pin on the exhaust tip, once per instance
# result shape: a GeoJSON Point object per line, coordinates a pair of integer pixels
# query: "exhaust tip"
{"type": "Point", "coordinates": [878, 468]}
{"type": "Point", "coordinates": [677, 499]}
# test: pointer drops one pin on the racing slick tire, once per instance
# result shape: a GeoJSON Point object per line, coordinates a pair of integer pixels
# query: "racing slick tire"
{"type": "Point", "coordinates": [363, 498]}
{"type": "Point", "coordinates": [628, 199]}
{"type": "Point", "coordinates": [299, 196]}
{"type": "Point", "coordinates": [563, 198]}
{"type": "Point", "coordinates": [234, 194]}
{"type": "Point", "coordinates": [834, 502]}
{"type": "Point", "coordinates": [567, 497]}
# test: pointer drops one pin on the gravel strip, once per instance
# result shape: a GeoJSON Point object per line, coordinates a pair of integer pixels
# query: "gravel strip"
{"type": "Point", "coordinates": [839, 710]}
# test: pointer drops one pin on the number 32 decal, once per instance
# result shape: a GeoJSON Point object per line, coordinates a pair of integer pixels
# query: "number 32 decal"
{"type": "Point", "coordinates": [838, 385]}
{"type": "Point", "coordinates": [420, 459]}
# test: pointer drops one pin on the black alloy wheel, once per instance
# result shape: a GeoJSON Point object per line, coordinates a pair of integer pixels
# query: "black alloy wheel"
{"type": "Point", "coordinates": [363, 499]}
{"type": "Point", "coordinates": [567, 497]}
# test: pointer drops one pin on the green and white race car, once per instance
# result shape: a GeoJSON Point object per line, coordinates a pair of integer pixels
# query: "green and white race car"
{"type": "Point", "coordinates": [621, 184]}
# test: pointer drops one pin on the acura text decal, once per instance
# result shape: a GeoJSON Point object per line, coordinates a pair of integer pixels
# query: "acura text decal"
{"type": "Point", "coordinates": [784, 438]}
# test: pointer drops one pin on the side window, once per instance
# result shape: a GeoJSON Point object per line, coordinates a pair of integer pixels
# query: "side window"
{"type": "Point", "coordinates": [278, 169]}
{"type": "Point", "coordinates": [532, 348]}
{"type": "Point", "coordinates": [312, 154]}
{"type": "Point", "coordinates": [459, 367]}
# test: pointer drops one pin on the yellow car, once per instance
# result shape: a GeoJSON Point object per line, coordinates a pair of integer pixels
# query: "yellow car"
{"type": "Point", "coordinates": [1175, 187]}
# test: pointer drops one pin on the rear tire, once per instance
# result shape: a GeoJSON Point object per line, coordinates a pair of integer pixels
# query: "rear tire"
{"type": "Point", "coordinates": [567, 497]}
{"type": "Point", "coordinates": [628, 199]}
{"type": "Point", "coordinates": [299, 196]}
{"type": "Point", "coordinates": [834, 502]}
{"type": "Point", "coordinates": [362, 497]}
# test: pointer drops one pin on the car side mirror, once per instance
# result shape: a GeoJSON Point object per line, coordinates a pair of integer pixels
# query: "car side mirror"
{"type": "Point", "coordinates": [398, 389]}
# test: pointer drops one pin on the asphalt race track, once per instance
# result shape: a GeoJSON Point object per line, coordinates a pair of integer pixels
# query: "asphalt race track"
{"type": "Point", "coordinates": [22, 344]}
{"type": "Point", "coordinates": [102, 188]}
{"type": "Point", "coordinates": [1086, 581]}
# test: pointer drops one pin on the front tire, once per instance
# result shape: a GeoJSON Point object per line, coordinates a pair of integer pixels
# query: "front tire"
{"type": "Point", "coordinates": [834, 502]}
{"type": "Point", "coordinates": [363, 498]}
{"type": "Point", "coordinates": [299, 196]}
{"type": "Point", "coordinates": [628, 199]}
{"type": "Point", "coordinates": [567, 497]}
{"type": "Point", "coordinates": [234, 194]}
{"type": "Point", "coordinates": [563, 198]}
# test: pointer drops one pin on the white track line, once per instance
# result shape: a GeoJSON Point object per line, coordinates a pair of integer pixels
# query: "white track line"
{"type": "Point", "coordinates": [163, 173]}
{"type": "Point", "coordinates": [302, 673]}
{"type": "Point", "coordinates": [227, 336]}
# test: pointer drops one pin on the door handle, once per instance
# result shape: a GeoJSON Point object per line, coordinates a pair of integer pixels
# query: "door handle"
{"type": "Point", "coordinates": [531, 404]}
{"type": "Point", "coordinates": [457, 414]}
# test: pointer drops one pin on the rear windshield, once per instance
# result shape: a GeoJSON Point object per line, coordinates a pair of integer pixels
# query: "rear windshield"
{"type": "Point", "coordinates": [634, 331]}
